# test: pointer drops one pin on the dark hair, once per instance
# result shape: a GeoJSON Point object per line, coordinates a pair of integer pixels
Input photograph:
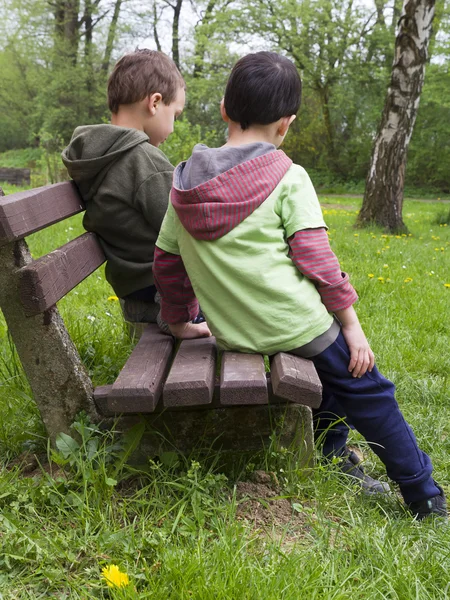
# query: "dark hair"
{"type": "Point", "coordinates": [262, 88]}
{"type": "Point", "coordinates": [141, 73]}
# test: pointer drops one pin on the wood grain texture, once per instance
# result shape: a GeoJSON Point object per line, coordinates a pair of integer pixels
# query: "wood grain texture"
{"type": "Point", "coordinates": [295, 379]}
{"type": "Point", "coordinates": [140, 383]}
{"type": "Point", "coordinates": [191, 378]}
{"type": "Point", "coordinates": [100, 395]}
{"type": "Point", "coordinates": [242, 379]}
{"type": "Point", "coordinates": [26, 212]}
{"type": "Point", "coordinates": [48, 279]}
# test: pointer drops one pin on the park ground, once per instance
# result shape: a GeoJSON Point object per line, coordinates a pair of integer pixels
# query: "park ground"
{"type": "Point", "coordinates": [209, 526]}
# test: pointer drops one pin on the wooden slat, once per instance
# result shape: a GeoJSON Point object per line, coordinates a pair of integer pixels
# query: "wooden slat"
{"type": "Point", "coordinates": [191, 378]}
{"type": "Point", "coordinates": [48, 279]}
{"type": "Point", "coordinates": [295, 379]}
{"type": "Point", "coordinates": [26, 212]}
{"type": "Point", "coordinates": [140, 383]}
{"type": "Point", "coordinates": [243, 379]}
{"type": "Point", "coordinates": [101, 394]}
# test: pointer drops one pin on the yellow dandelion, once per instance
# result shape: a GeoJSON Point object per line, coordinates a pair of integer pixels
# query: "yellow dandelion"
{"type": "Point", "coordinates": [114, 577]}
{"type": "Point", "coordinates": [381, 279]}
{"type": "Point", "coordinates": [398, 237]}
{"type": "Point", "coordinates": [370, 275]}
{"type": "Point", "coordinates": [447, 285]}
{"type": "Point", "coordinates": [408, 279]}
{"type": "Point", "coordinates": [356, 234]}
{"type": "Point", "coordinates": [113, 298]}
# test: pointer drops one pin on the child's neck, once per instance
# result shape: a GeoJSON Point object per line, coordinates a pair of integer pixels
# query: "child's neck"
{"type": "Point", "coordinates": [127, 118]}
{"type": "Point", "coordinates": [252, 135]}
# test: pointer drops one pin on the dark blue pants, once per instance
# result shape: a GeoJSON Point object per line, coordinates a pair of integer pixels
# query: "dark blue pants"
{"type": "Point", "coordinates": [369, 404]}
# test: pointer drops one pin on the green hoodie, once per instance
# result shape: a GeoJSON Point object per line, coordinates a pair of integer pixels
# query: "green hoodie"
{"type": "Point", "coordinates": [125, 183]}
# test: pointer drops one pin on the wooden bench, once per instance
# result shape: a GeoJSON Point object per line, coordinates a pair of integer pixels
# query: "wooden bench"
{"type": "Point", "coordinates": [178, 389]}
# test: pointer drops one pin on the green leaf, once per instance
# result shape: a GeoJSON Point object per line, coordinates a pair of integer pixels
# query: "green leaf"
{"type": "Point", "coordinates": [67, 445]}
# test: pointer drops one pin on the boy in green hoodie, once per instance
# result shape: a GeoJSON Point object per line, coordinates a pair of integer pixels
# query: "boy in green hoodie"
{"type": "Point", "coordinates": [124, 178]}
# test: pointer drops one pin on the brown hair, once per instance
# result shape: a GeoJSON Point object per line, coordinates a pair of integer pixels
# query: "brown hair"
{"type": "Point", "coordinates": [141, 73]}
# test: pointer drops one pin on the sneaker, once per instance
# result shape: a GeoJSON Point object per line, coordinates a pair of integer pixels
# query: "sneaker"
{"type": "Point", "coordinates": [351, 465]}
{"type": "Point", "coordinates": [432, 507]}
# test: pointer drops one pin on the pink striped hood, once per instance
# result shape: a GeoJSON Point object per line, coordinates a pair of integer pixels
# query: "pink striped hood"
{"type": "Point", "coordinates": [213, 208]}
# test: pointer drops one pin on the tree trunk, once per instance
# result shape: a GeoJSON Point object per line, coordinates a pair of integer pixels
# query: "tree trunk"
{"type": "Point", "coordinates": [88, 28]}
{"type": "Point", "coordinates": [383, 198]}
{"type": "Point", "coordinates": [176, 33]}
{"type": "Point", "coordinates": [111, 37]}
{"type": "Point", "coordinates": [155, 28]}
{"type": "Point", "coordinates": [202, 40]}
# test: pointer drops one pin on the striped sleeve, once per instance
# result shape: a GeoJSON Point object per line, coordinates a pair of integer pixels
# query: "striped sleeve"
{"type": "Point", "coordinates": [312, 255]}
{"type": "Point", "coordinates": [178, 301]}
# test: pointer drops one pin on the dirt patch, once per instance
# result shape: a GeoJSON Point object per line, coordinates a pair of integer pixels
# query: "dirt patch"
{"type": "Point", "coordinates": [33, 465]}
{"type": "Point", "coordinates": [262, 506]}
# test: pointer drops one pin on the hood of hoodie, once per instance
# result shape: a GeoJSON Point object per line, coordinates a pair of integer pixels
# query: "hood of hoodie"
{"type": "Point", "coordinates": [93, 149]}
{"type": "Point", "coordinates": [217, 188]}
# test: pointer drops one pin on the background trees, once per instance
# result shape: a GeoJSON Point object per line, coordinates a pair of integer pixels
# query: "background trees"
{"type": "Point", "coordinates": [383, 198]}
{"type": "Point", "coordinates": [55, 56]}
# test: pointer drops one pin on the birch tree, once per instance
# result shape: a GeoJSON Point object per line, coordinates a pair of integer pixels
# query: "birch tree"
{"type": "Point", "coordinates": [383, 198]}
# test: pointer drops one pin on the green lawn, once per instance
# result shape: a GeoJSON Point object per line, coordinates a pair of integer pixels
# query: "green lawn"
{"type": "Point", "coordinates": [179, 528]}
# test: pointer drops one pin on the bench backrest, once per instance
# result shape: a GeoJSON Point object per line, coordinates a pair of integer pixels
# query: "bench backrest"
{"type": "Point", "coordinates": [48, 279]}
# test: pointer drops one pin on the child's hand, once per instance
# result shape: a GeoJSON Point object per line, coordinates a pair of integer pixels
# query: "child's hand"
{"type": "Point", "coordinates": [188, 331]}
{"type": "Point", "coordinates": [362, 358]}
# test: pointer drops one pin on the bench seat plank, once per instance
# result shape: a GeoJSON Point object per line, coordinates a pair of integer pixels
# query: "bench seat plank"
{"type": "Point", "coordinates": [191, 378]}
{"type": "Point", "coordinates": [139, 385]}
{"type": "Point", "coordinates": [26, 212]}
{"type": "Point", "coordinates": [295, 379]}
{"type": "Point", "coordinates": [48, 279]}
{"type": "Point", "coordinates": [243, 379]}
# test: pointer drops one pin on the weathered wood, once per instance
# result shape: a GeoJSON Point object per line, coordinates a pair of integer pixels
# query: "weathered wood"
{"type": "Point", "coordinates": [295, 379]}
{"type": "Point", "coordinates": [243, 379]}
{"type": "Point", "coordinates": [191, 378]}
{"type": "Point", "coordinates": [48, 279]}
{"type": "Point", "coordinates": [140, 383]}
{"type": "Point", "coordinates": [26, 212]}
{"type": "Point", "coordinates": [15, 176]}
{"type": "Point", "coordinates": [100, 395]}
{"type": "Point", "coordinates": [59, 382]}
{"type": "Point", "coordinates": [236, 429]}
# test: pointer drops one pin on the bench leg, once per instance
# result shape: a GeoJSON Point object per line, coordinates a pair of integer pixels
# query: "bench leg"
{"type": "Point", "coordinates": [58, 379]}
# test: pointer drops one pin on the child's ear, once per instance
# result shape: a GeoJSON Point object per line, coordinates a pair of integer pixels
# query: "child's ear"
{"type": "Point", "coordinates": [223, 113]}
{"type": "Point", "coordinates": [153, 102]}
{"type": "Point", "coordinates": [285, 124]}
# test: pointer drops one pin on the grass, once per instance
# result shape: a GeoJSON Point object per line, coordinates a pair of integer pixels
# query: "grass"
{"type": "Point", "coordinates": [175, 526]}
